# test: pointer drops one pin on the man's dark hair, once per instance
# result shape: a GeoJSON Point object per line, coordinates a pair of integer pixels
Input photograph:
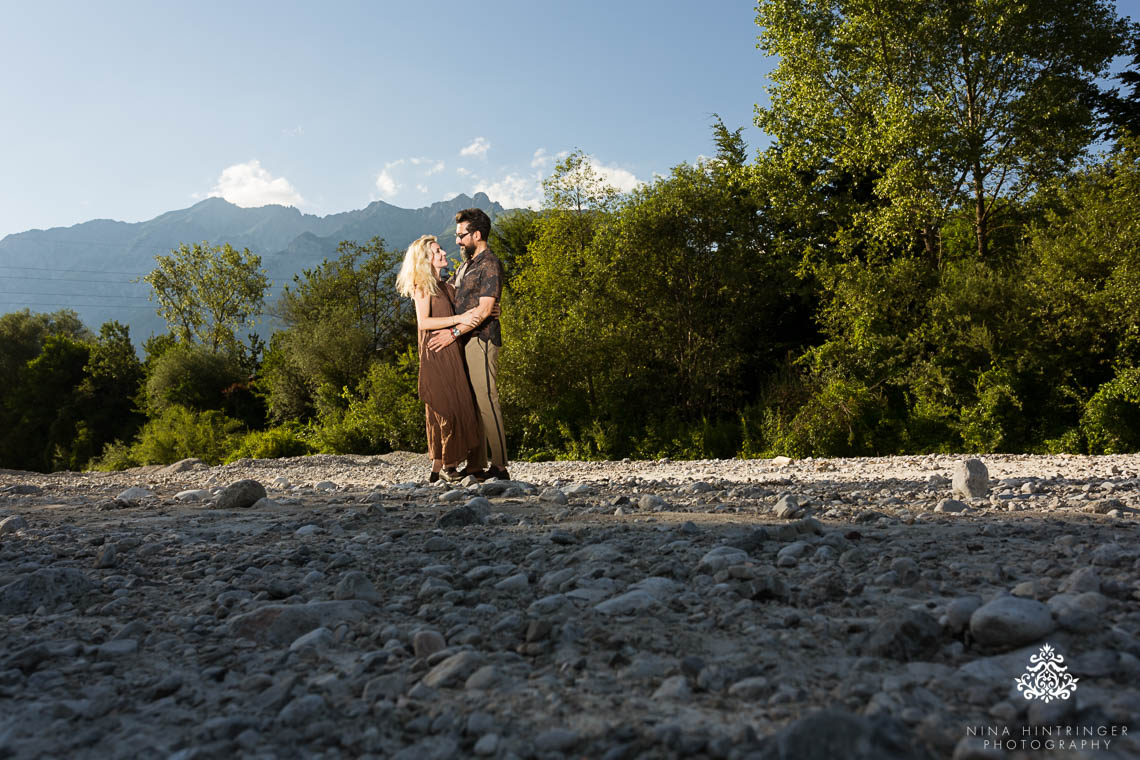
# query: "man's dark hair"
{"type": "Point", "coordinates": [476, 220]}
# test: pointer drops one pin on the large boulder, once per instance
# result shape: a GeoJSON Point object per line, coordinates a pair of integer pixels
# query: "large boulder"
{"type": "Point", "coordinates": [1011, 621]}
{"type": "Point", "coordinates": [239, 495]}
{"type": "Point", "coordinates": [971, 479]}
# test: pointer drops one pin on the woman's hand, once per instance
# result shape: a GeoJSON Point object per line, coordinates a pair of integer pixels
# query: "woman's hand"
{"type": "Point", "coordinates": [469, 318]}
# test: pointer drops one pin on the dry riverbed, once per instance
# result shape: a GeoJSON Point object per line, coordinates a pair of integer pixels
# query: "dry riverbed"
{"type": "Point", "coordinates": [778, 610]}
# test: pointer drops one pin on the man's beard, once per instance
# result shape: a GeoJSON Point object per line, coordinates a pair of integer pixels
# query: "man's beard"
{"type": "Point", "coordinates": [468, 252]}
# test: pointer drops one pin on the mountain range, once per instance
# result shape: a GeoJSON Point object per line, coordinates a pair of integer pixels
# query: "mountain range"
{"type": "Point", "coordinates": [96, 267]}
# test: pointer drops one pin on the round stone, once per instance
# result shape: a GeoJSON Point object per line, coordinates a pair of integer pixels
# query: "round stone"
{"type": "Point", "coordinates": [1010, 621]}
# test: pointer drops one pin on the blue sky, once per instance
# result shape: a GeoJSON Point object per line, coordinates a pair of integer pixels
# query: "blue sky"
{"type": "Point", "coordinates": [124, 110]}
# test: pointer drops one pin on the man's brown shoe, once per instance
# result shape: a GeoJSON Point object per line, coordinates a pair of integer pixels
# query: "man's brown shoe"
{"type": "Point", "coordinates": [496, 472]}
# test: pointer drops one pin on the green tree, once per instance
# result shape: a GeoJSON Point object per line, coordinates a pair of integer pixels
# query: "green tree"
{"type": "Point", "coordinates": [1082, 280]}
{"type": "Point", "coordinates": [207, 294]}
{"type": "Point", "coordinates": [50, 409]}
{"type": "Point", "coordinates": [339, 319]}
{"type": "Point", "coordinates": [556, 353]}
{"type": "Point", "coordinates": [108, 393]}
{"type": "Point", "coordinates": [511, 235]}
{"type": "Point", "coordinates": [192, 376]}
{"type": "Point", "coordinates": [41, 361]}
{"type": "Point", "coordinates": [1120, 114]}
{"type": "Point", "coordinates": [962, 103]}
{"type": "Point", "coordinates": [643, 323]}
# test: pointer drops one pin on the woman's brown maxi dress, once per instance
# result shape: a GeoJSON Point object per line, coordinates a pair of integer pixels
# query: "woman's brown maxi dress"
{"type": "Point", "coordinates": [452, 427]}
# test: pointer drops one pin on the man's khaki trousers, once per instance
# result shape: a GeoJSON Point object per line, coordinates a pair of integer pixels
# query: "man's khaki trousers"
{"type": "Point", "coordinates": [483, 368]}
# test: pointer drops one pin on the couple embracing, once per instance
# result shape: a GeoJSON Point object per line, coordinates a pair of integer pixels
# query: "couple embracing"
{"type": "Point", "coordinates": [459, 340]}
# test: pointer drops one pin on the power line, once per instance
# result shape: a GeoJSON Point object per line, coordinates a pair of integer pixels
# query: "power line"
{"type": "Point", "coordinates": [68, 271]}
{"type": "Point", "coordinates": [108, 271]}
{"type": "Point", "coordinates": [77, 305]}
{"type": "Point", "coordinates": [60, 279]}
{"type": "Point", "coordinates": [78, 295]}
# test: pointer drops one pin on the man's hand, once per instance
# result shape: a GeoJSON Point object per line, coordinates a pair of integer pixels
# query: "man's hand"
{"type": "Point", "coordinates": [496, 311]}
{"type": "Point", "coordinates": [440, 339]}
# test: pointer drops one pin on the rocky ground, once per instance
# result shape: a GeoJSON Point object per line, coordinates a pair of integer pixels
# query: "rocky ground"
{"type": "Point", "coordinates": [726, 609]}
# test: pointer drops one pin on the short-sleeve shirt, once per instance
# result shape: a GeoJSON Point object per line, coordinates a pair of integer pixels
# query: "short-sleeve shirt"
{"type": "Point", "coordinates": [480, 277]}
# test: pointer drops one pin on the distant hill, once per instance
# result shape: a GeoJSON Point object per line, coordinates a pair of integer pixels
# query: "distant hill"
{"type": "Point", "coordinates": [90, 267]}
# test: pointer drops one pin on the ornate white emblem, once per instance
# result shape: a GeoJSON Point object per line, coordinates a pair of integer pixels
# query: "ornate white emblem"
{"type": "Point", "coordinates": [1046, 678]}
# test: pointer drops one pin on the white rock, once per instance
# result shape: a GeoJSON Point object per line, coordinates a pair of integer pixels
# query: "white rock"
{"type": "Point", "coordinates": [971, 479]}
{"type": "Point", "coordinates": [721, 557]}
{"type": "Point", "coordinates": [319, 638]}
{"type": "Point", "coordinates": [135, 493]}
{"type": "Point", "coordinates": [12, 524]}
{"type": "Point", "coordinates": [553, 495]}
{"type": "Point", "coordinates": [1010, 621]}
{"type": "Point", "coordinates": [951, 505]}
{"type": "Point", "coordinates": [197, 494]}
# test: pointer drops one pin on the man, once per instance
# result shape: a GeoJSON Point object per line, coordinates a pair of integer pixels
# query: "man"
{"type": "Point", "coordinates": [479, 285]}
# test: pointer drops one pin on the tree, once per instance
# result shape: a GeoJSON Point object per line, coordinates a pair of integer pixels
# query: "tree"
{"type": "Point", "coordinates": [207, 294]}
{"type": "Point", "coordinates": [639, 322]}
{"type": "Point", "coordinates": [41, 360]}
{"type": "Point", "coordinates": [1120, 114]}
{"type": "Point", "coordinates": [551, 317]}
{"type": "Point", "coordinates": [339, 319]}
{"type": "Point", "coordinates": [965, 102]}
{"type": "Point", "coordinates": [511, 235]}
{"type": "Point", "coordinates": [109, 391]}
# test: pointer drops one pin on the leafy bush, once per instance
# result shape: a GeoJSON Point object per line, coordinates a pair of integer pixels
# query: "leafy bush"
{"type": "Point", "coordinates": [274, 443]}
{"type": "Point", "coordinates": [840, 419]}
{"type": "Point", "coordinates": [179, 433]}
{"type": "Point", "coordinates": [116, 456]}
{"type": "Point", "coordinates": [1111, 421]}
{"type": "Point", "coordinates": [192, 376]}
{"type": "Point", "coordinates": [383, 415]}
{"type": "Point", "coordinates": [993, 422]}
{"type": "Point", "coordinates": [1069, 442]}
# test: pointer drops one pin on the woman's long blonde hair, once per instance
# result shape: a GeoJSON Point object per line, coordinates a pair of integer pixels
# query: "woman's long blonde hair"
{"type": "Point", "coordinates": [416, 275]}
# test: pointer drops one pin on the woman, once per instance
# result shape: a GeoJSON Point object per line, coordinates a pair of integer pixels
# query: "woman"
{"type": "Point", "coordinates": [452, 427]}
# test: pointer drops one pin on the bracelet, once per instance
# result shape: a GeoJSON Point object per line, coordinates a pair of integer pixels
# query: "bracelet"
{"type": "Point", "coordinates": [455, 331]}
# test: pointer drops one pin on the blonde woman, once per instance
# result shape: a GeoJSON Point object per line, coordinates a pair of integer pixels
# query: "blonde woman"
{"type": "Point", "coordinates": [452, 426]}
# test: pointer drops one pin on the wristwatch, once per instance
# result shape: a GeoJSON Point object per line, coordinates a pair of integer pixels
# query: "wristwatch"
{"type": "Point", "coordinates": [455, 331]}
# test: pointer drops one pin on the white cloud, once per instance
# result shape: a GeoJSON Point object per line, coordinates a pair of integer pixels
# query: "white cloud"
{"type": "Point", "coordinates": [248, 185]}
{"type": "Point", "coordinates": [435, 168]}
{"type": "Point", "coordinates": [514, 191]}
{"type": "Point", "coordinates": [296, 131]}
{"type": "Point", "coordinates": [478, 148]}
{"type": "Point", "coordinates": [422, 188]}
{"type": "Point", "coordinates": [462, 171]}
{"type": "Point", "coordinates": [541, 159]}
{"type": "Point", "coordinates": [623, 180]}
{"type": "Point", "coordinates": [387, 186]}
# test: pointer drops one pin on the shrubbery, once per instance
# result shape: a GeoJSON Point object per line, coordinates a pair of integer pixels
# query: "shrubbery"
{"type": "Point", "coordinates": [180, 433]}
{"type": "Point", "coordinates": [1111, 422]}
